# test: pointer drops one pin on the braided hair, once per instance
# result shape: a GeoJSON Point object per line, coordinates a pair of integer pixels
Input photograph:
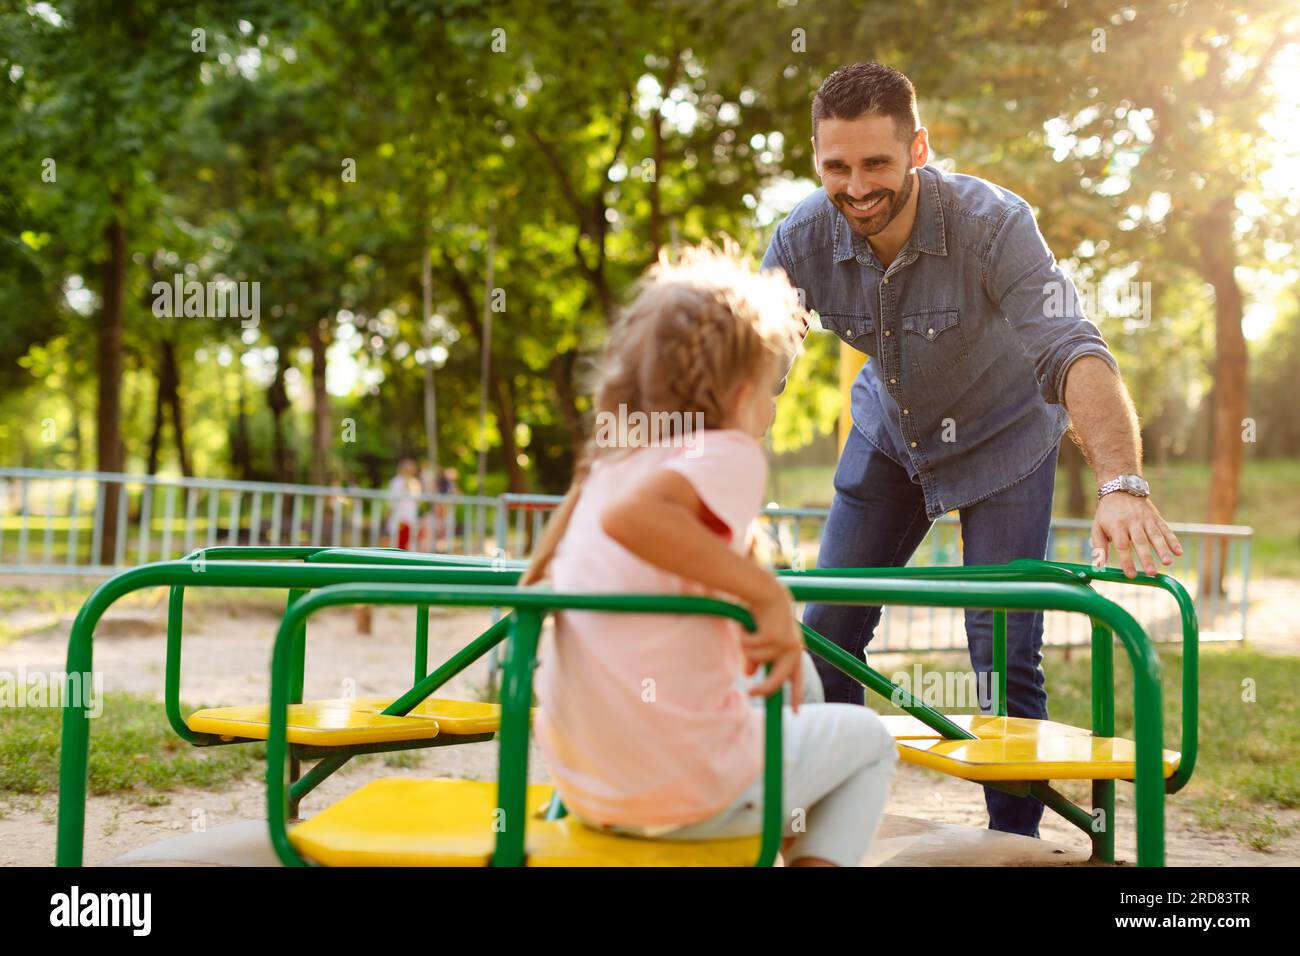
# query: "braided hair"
{"type": "Point", "coordinates": [699, 329]}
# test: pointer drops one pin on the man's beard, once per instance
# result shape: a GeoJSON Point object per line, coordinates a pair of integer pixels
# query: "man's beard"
{"type": "Point", "coordinates": [892, 205]}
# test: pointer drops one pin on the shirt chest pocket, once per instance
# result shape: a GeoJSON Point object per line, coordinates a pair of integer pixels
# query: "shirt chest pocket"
{"type": "Point", "coordinates": [933, 340]}
{"type": "Point", "coordinates": [856, 328]}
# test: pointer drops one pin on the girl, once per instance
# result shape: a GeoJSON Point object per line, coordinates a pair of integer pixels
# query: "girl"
{"type": "Point", "coordinates": [644, 720]}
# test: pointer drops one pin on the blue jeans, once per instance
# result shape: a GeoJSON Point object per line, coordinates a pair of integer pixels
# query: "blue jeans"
{"type": "Point", "coordinates": [877, 519]}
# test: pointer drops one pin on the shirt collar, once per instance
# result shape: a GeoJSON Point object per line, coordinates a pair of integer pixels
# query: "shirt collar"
{"type": "Point", "coordinates": [928, 233]}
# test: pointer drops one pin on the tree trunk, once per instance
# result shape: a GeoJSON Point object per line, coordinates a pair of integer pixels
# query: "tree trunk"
{"type": "Point", "coordinates": [277, 400]}
{"type": "Point", "coordinates": [78, 446]}
{"type": "Point", "coordinates": [167, 401]}
{"type": "Point", "coordinates": [172, 398]}
{"type": "Point", "coordinates": [1218, 260]}
{"type": "Point", "coordinates": [110, 455]}
{"type": "Point", "coordinates": [321, 445]}
{"type": "Point", "coordinates": [499, 388]}
{"type": "Point", "coordinates": [155, 437]}
{"type": "Point", "coordinates": [241, 449]}
{"type": "Point", "coordinates": [657, 154]}
{"type": "Point", "coordinates": [562, 370]}
{"type": "Point", "coordinates": [505, 404]}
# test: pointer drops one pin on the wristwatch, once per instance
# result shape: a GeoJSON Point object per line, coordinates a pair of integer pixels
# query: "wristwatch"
{"type": "Point", "coordinates": [1134, 485]}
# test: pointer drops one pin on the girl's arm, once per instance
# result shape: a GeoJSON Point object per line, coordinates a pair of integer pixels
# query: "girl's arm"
{"type": "Point", "coordinates": [659, 519]}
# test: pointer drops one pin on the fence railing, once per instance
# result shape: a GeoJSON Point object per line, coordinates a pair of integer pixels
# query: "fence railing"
{"type": "Point", "coordinates": [96, 523]}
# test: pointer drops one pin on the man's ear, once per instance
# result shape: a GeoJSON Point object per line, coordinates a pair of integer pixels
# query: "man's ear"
{"type": "Point", "coordinates": [816, 163]}
{"type": "Point", "coordinates": [921, 147]}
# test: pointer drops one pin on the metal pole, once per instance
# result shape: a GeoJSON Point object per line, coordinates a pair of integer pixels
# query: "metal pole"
{"type": "Point", "coordinates": [485, 368]}
{"type": "Point", "coordinates": [430, 399]}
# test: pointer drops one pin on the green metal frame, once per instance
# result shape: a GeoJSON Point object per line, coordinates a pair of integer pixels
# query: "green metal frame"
{"type": "Point", "coordinates": [1054, 587]}
{"type": "Point", "coordinates": [208, 569]}
{"type": "Point", "coordinates": [530, 607]}
{"type": "Point", "coordinates": [200, 558]}
{"type": "Point", "coordinates": [332, 758]}
{"type": "Point", "coordinates": [1102, 683]}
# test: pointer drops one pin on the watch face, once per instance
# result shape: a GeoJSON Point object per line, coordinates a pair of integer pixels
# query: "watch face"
{"type": "Point", "coordinates": [1134, 485]}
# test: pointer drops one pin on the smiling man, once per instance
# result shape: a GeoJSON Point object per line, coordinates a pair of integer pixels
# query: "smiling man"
{"type": "Point", "coordinates": [980, 359]}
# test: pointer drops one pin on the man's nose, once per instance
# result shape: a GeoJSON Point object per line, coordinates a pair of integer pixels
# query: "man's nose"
{"type": "Point", "coordinates": [858, 186]}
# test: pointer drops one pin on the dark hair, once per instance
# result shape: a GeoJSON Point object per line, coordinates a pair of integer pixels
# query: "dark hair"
{"type": "Point", "coordinates": [862, 88]}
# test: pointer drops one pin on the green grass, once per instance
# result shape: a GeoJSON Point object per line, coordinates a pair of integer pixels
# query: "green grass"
{"type": "Point", "coordinates": [1248, 765]}
{"type": "Point", "coordinates": [133, 752]}
{"type": "Point", "coordinates": [1270, 502]}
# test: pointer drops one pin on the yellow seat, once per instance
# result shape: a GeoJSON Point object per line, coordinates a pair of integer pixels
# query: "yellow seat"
{"type": "Point", "coordinates": [1019, 748]}
{"type": "Point", "coordinates": [403, 821]}
{"type": "Point", "coordinates": [453, 716]}
{"type": "Point", "coordinates": [351, 722]}
{"type": "Point", "coordinates": [907, 727]}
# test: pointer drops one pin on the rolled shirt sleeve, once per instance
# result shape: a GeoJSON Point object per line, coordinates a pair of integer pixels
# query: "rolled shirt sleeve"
{"type": "Point", "coordinates": [1022, 276]}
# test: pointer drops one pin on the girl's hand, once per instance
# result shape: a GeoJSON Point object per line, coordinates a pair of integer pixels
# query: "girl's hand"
{"type": "Point", "coordinates": [777, 641]}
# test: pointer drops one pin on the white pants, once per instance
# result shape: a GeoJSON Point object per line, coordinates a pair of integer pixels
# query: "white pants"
{"type": "Point", "coordinates": [839, 760]}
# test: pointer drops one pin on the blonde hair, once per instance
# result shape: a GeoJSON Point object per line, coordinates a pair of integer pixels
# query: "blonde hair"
{"type": "Point", "coordinates": [699, 328]}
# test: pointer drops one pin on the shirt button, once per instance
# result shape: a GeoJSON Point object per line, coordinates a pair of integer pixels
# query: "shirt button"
{"type": "Point", "coordinates": [849, 334]}
{"type": "Point", "coordinates": [888, 333]}
{"type": "Point", "coordinates": [930, 333]}
{"type": "Point", "coordinates": [893, 381]}
{"type": "Point", "coordinates": [907, 411]}
{"type": "Point", "coordinates": [886, 281]}
{"type": "Point", "coordinates": [913, 444]}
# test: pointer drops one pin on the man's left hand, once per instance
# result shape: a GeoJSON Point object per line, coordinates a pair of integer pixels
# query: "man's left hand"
{"type": "Point", "coordinates": [1132, 524]}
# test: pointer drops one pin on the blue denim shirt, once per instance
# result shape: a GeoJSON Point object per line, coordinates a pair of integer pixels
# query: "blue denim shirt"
{"type": "Point", "coordinates": [969, 333]}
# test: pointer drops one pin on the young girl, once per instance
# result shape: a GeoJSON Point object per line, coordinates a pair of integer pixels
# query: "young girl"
{"type": "Point", "coordinates": [404, 502]}
{"type": "Point", "coordinates": [644, 719]}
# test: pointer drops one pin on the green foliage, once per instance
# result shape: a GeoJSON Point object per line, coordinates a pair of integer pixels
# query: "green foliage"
{"type": "Point", "coordinates": [578, 139]}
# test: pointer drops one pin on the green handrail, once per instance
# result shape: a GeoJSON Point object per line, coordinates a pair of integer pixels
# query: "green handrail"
{"type": "Point", "coordinates": [1190, 737]}
{"type": "Point", "coordinates": [329, 764]}
{"type": "Point", "coordinates": [886, 589]}
{"type": "Point", "coordinates": [176, 575]}
{"type": "Point", "coordinates": [423, 558]}
{"type": "Point", "coordinates": [948, 590]}
{"type": "Point", "coordinates": [1083, 574]}
{"type": "Point", "coordinates": [530, 606]}
{"type": "Point", "coordinates": [404, 704]}
{"type": "Point", "coordinates": [350, 556]}
{"type": "Point", "coordinates": [198, 560]}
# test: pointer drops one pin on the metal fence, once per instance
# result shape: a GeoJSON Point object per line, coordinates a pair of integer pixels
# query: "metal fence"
{"type": "Point", "coordinates": [58, 522]}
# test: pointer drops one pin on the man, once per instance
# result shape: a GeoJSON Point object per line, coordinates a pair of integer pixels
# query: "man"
{"type": "Point", "coordinates": [979, 360]}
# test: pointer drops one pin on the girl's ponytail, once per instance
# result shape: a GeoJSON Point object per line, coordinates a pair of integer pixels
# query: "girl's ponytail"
{"type": "Point", "coordinates": [559, 522]}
